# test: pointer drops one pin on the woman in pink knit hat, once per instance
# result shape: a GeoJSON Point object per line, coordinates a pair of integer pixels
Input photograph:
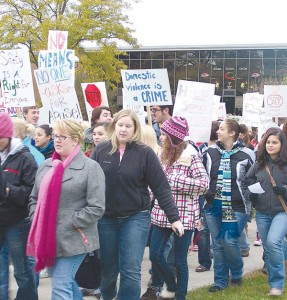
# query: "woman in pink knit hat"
{"type": "Point", "coordinates": [188, 179]}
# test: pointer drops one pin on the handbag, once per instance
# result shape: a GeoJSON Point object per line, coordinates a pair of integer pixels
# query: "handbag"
{"type": "Point", "coordinates": [89, 273]}
{"type": "Point", "coordinates": [273, 182]}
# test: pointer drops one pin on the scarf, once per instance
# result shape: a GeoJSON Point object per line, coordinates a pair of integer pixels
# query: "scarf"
{"type": "Point", "coordinates": [222, 198]}
{"type": "Point", "coordinates": [46, 149]}
{"type": "Point", "coordinates": [42, 237]}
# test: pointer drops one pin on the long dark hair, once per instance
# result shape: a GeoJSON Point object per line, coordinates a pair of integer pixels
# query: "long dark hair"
{"type": "Point", "coordinates": [262, 152]}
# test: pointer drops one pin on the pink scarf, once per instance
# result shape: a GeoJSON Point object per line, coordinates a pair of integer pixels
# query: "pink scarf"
{"type": "Point", "coordinates": [42, 237]}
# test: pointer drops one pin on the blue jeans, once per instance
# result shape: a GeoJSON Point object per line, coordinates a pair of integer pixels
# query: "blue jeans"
{"type": "Point", "coordinates": [244, 243]}
{"type": "Point", "coordinates": [159, 239]}
{"type": "Point", "coordinates": [226, 251]}
{"type": "Point", "coordinates": [64, 285]}
{"type": "Point", "coordinates": [272, 230]}
{"type": "Point", "coordinates": [123, 242]}
{"type": "Point", "coordinates": [15, 244]}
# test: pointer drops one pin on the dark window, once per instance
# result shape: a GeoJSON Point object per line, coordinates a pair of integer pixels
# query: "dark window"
{"type": "Point", "coordinates": [169, 65]}
{"type": "Point", "coordinates": [157, 64]}
{"type": "Point", "coordinates": [127, 62]}
{"type": "Point", "coordinates": [169, 55]}
{"type": "Point", "coordinates": [135, 64]}
{"type": "Point", "coordinates": [268, 53]}
{"type": "Point", "coordinates": [135, 55]}
{"type": "Point", "coordinates": [156, 55]}
{"type": "Point", "coordinates": [281, 68]}
{"type": "Point", "coordinates": [256, 53]}
{"type": "Point", "coordinates": [269, 67]}
{"type": "Point", "coordinates": [230, 54]}
{"type": "Point", "coordinates": [181, 55]}
{"type": "Point", "coordinates": [229, 73]}
{"type": "Point", "coordinates": [242, 53]}
{"type": "Point", "coordinates": [217, 54]}
{"type": "Point", "coordinates": [192, 70]}
{"type": "Point", "coordinates": [205, 54]}
{"type": "Point", "coordinates": [281, 54]}
{"type": "Point", "coordinates": [145, 55]}
{"type": "Point", "coordinates": [145, 64]}
{"type": "Point", "coordinates": [193, 54]}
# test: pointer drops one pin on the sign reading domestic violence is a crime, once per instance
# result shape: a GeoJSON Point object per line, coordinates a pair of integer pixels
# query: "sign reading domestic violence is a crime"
{"type": "Point", "coordinates": [194, 102]}
{"type": "Point", "coordinates": [146, 87]}
{"type": "Point", "coordinates": [16, 78]}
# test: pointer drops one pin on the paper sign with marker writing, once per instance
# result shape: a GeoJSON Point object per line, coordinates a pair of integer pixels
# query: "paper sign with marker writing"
{"type": "Point", "coordinates": [275, 100]}
{"type": "Point", "coordinates": [16, 78]}
{"type": "Point", "coordinates": [147, 87]}
{"type": "Point", "coordinates": [256, 188]}
{"type": "Point", "coordinates": [57, 40]}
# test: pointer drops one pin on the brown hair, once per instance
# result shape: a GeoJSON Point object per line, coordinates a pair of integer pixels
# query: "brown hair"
{"type": "Point", "coordinates": [170, 153]}
{"type": "Point", "coordinates": [96, 113]}
{"type": "Point", "coordinates": [233, 125]}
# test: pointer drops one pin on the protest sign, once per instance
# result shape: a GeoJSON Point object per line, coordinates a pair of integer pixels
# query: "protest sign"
{"type": "Point", "coordinates": [16, 78]}
{"type": "Point", "coordinates": [252, 102]}
{"type": "Point", "coordinates": [57, 40]}
{"type": "Point", "coordinates": [58, 93]}
{"type": "Point", "coordinates": [57, 59]}
{"type": "Point", "coordinates": [138, 109]}
{"type": "Point", "coordinates": [215, 108]}
{"type": "Point", "coordinates": [147, 87]}
{"type": "Point", "coordinates": [221, 111]}
{"type": "Point", "coordinates": [194, 102]}
{"type": "Point", "coordinates": [275, 100]}
{"type": "Point", "coordinates": [95, 94]}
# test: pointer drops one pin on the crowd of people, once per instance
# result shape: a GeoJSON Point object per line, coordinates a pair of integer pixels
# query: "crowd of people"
{"type": "Point", "coordinates": [113, 184]}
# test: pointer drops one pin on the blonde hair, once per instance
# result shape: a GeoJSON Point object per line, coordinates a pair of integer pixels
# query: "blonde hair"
{"type": "Point", "coordinates": [86, 125]}
{"type": "Point", "coordinates": [149, 137]}
{"type": "Point", "coordinates": [31, 130]}
{"type": "Point", "coordinates": [137, 128]}
{"type": "Point", "coordinates": [72, 127]}
{"type": "Point", "coordinates": [21, 126]}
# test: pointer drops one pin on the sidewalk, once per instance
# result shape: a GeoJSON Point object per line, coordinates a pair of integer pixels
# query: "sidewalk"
{"type": "Point", "coordinates": [251, 263]}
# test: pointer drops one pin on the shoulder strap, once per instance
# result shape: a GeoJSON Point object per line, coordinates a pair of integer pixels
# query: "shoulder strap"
{"type": "Point", "coordinates": [273, 182]}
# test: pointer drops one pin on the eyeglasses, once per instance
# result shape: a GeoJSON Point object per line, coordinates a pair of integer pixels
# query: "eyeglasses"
{"type": "Point", "coordinates": [60, 138]}
{"type": "Point", "coordinates": [154, 110]}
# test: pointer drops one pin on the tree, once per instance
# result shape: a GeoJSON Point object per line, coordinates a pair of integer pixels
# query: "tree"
{"type": "Point", "coordinates": [27, 23]}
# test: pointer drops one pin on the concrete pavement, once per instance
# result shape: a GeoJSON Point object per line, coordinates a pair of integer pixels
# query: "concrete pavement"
{"type": "Point", "coordinates": [251, 263]}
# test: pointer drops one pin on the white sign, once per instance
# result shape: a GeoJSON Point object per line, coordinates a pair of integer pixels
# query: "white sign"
{"type": "Point", "coordinates": [194, 102]}
{"type": "Point", "coordinates": [138, 109]}
{"type": "Point", "coordinates": [58, 93]}
{"type": "Point", "coordinates": [57, 59]}
{"type": "Point", "coordinates": [95, 94]}
{"type": "Point", "coordinates": [12, 111]}
{"type": "Point", "coordinates": [147, 87]}
{"type": "Point", "coordinates": [275, 100]}
{"type": "Point", "coordinates": [221, 111]}
{"type": "Point", "coordinates": [16, 78]}
{"type": "Point", "coordinates": [252, 102]}
{"type": "Point", "coordinates": [57, 40]}
{"type": "Point", "coordinates": [215, 107]}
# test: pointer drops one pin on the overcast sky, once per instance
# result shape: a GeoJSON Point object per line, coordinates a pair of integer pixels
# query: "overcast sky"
{"type": "Point", "coordinates": [209, 22]}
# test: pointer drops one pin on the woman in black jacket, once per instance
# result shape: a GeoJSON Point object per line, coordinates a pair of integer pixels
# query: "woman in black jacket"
{"type": "Point", "coordinates": [130, 168]}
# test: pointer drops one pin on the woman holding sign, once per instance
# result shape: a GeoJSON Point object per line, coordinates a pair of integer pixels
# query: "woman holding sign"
{"type": "Point", "coordinates": [271, 211]}
{"type": "Point", "coordinates": [131, 168]}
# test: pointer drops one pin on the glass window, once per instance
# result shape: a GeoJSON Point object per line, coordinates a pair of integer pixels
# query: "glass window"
{"type": "Point", "coordinates": [145, 55]}
{"type": "Point", "coordinates": [157, 64]}
{"type": "Point", "coordinates": [180, 71]}
{"type": "Point", "coordinates": [230, 54]}
{"type": "Point", "coordinates": [242, 76]}
{"type": "Point", "coordinates": [169, 55]}
{"type": "Point", "coordinates": [192, 70]}
{"type": "Point", "coordinates": [217, 54]}
{"type": "Point", "coordinates": [181, 55]}
{"type": "Point", "coordinates": [268, 68]}
{"type": "Point", "coordinates": [145, 64]}
{"type": "Point", "coordinates": [205, 54]}
{"type": "Point", "coordinates": [169, 65]}
{"type": "Point", "coordinates": [205, 70]}
{"type": "Point", "coordinates": [126, 62]}
{"type": "Point", "coordinates": [229, 73]}
{"type": "Point", "coordinates": [242, 53]}
{"type": "Point", "coordinates": [281, 53]}
{"type": "Point", "coordinates": [256, 53]}
{"type": "Point", "coordinates": [281, 68]}
{"type": "Point", "coordinates": [156, 55]}
{"type": "Point", "coordinates": [268, 53]}
{"type": "Point", "coordinates": [135, 64]}
{"type": "Point", "coordinates": [193, 54]}
{"type": "Point", "coordinates": [255, 75]}
{"type": "Point", "coordinates": [135, 55]}
{"type": "Point", "coordinates": [124, 56]}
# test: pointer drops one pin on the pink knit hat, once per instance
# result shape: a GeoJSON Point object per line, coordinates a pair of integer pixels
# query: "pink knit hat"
{"type": "Point", "coordinates": [176, 128]}
{"type": "Point", "coordinates": [6, 126]}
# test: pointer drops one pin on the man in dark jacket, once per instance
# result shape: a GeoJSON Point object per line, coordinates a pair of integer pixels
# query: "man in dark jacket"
{"type": "Point", "coordinates": [18, 170]}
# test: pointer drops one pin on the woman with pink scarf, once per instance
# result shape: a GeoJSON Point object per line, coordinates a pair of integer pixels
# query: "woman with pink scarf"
{"type": "Point", "coordinates": [66, 203]}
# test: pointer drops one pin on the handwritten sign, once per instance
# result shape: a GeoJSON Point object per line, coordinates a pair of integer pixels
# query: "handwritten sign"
{"type": "Point", "coordinates": [57, 40]}
{"type": "Point", "coordinates": [147, 87]}
{"type": "Point", "coordinates": [57, 58]}
{"type": "Point", "coordinates": [194, 102]}
{"type": "Point", "coordinates": [221, 111]}
{"type": "Point", "coordinates": [215, 107]}
{"type": "Point", "coordinates": [138, 109]}
{"type": "Point", "coordinates": [16, 78]}
{"type": "Point", "coordinates": [58, 93]}
{"type": "Point", "coordinates": [275, 100]}
{"type": "Point", "coordinates": [95, 94]}
{"type": "Point", "coordinates": [252, 102]}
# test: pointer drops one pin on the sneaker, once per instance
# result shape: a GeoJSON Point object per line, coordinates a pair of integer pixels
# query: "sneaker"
{"type": "Point", "coordinates": [166, 295]}
{"type": "Point", "coordinates": [215, 289]}
{"type": "Point", "coordinates": [275, 292]}
{"type": "Point", "coordinates": [244, 253]}
{"type": "Point", "coordinates": [236, 282]}
{"type": "Point", "coordinates": [150, 294]}
{"type": "Point", "coordinates": [201, 268]}
{"type": "Point", "coordinates": [258, 242]}
{"type": "Point", "coordinates": [44, 273]}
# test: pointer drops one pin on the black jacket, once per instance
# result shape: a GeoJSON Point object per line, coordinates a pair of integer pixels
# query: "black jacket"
{"type": "Point", "coordinates": [19, 170]}
{"type": "Point", "coordinates": [267, 202]}
{"type": "Point", "coordinates": [240, 164]}
{"type": "Point", "coordinates": [127, 181]}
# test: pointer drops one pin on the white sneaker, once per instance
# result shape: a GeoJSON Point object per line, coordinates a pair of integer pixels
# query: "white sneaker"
{"type": "Point", "coordinates": [45, 273]}
{"type": "Point", "coordinates": [258, 243]}
{"type": "Point", "coordinates": [275, 292]}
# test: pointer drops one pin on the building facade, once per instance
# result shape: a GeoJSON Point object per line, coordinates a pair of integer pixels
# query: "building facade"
{"type": "Point", "coordinates": [234, 70]}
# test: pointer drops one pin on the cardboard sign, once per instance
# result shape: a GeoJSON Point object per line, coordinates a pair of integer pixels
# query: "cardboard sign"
{"type": "Point", "coordinates": [95, 94]}
{"type": "Point", "coordinates": [194, 102]}
{"type": "Point", "coordinates": [16, 78]}
{"type": "Point", "coordinates": [57, 40]}
{"type": "Point", "coordinates": [275, 100]}
{"type": "Point", "coordinates": [146, 87]}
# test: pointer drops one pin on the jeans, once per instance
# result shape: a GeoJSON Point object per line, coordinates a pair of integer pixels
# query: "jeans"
{"type": "Point", "coordinates": [123, 242]}
{"type": "Point", "coordinates": [15, 244]}
{"type": "Point", "coordinates": [272, 230]}
{"type": "Point", "coordinates": [64, 285]}
{"type": "Point", "coordinates": [244, 243]}
{"type": "Point", "coordinates": [159, 239]}
{"type": "Point", "coordinates": [157, 278]}
{"type": "Point", "coordinates": [204, 254]}
{"type": "Point", "coordinates": [226, 251]}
